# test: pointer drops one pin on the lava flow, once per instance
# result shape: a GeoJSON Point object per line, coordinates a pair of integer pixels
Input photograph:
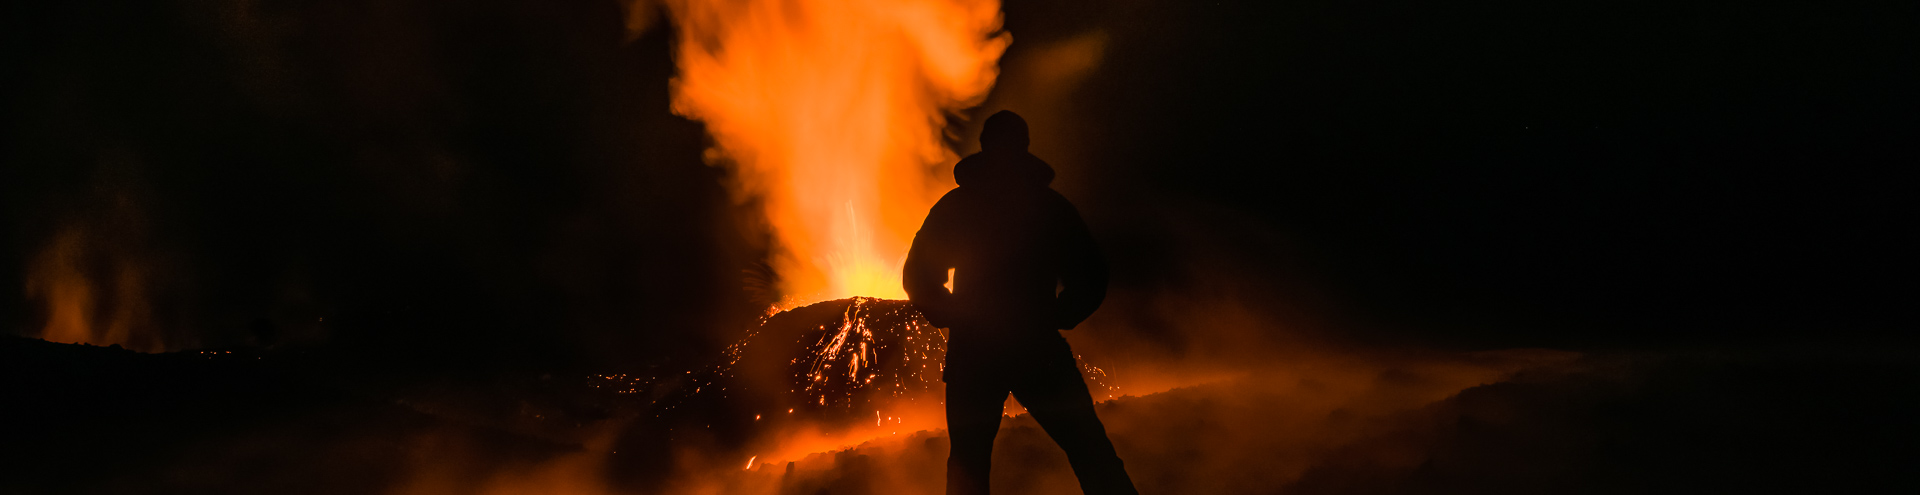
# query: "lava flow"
{"type": "Point", "coordinates": [833, 374]}
{"type": "Point", "coordinates": [832, 118]}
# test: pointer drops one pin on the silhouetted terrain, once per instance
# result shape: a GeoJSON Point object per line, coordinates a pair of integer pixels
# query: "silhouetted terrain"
{"type": "Point", "coordinates": [464, 228]}
{"type": "Point", "coordinates": [100, 420]}
{"type": "Point", "coordinates": [1602, 424]}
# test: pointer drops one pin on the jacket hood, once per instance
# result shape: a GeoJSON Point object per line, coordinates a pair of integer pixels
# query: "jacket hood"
{"type": "Point", "coordinates": [1004, 131]}
{"type": "Point", "coordinates": [995, 169]}
{"type": "Point", "coordinates": [1003, 160]}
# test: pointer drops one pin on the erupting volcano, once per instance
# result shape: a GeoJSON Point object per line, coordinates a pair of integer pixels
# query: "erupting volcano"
{"type": "Point", "coordinates": [732, 247]}
{"type": "Point", "coordinates": [831, 116]}
{"type": "Point", "coordinates": [826, 376]}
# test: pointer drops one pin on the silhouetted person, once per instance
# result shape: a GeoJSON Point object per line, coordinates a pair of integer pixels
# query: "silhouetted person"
{"type": "Point", "coordinates": [1023, 268]}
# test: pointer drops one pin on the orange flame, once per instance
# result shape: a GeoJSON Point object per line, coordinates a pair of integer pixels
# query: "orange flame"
{"type": "Point", "coordinates": [56, 278]}
{"type": "Point", "coordinates": [104, 308]}
{"type": "Point", "coordinates": [831, 114]}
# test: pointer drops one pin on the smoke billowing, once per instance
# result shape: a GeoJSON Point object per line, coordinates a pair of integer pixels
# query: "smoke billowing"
{"type": "Point", "coordinates": [415, 247]}
{"type": "Point", "coordinates": [831, 116]}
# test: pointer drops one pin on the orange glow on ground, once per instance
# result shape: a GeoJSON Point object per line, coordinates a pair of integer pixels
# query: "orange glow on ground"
{"type": "Point", "coordinates": [795, 444]}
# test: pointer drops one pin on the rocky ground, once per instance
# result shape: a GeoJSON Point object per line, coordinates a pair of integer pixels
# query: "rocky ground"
{"type": "Point", "coordinates": [84, 419]}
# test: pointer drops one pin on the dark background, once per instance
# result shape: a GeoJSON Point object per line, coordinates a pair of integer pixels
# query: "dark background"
{"type": "Point", "coordinates": [1571, 174]}
{"type": "Point", "coordinates": [501, 181]}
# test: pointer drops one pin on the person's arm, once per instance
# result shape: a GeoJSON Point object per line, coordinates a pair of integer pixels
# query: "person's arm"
{"type": "Point", "coordinates": [1083, 272]}
{"type": "Point", "coordinates": [924, 275]}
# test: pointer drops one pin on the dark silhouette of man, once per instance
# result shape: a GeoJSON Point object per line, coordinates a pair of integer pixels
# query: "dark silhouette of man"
{"type": "Point", "coordinates": [1023, 267]}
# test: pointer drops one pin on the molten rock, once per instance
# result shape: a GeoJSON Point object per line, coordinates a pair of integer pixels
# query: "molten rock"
{"type": "Point", "coordinates": [841, 361]}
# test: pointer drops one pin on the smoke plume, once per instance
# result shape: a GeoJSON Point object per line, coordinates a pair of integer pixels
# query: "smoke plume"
{"type": "Point", "coordinates": [831, 115]}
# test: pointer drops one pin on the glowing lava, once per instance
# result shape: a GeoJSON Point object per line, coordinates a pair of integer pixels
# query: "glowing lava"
{"type": "Point", "coordinates": [844, 371]}
{"type": "Point", "coordinates": [830, 114]}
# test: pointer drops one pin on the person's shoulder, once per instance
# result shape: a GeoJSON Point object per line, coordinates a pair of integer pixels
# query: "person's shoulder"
{"type": "Point", "coordinates": [968, 167]}
{"type": "Point", "coordinates": [1059, 208]}
{"type": "Point", "coordinates": [955, 199]}
{"type": "Point", "coordinates": [1054, 198]}
{"type": "Point", "coordinates": [958, 194]}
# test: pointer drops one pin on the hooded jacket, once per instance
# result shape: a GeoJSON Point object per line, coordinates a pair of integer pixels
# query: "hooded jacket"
{"type": "Point", "coordinates": [1021, 256]}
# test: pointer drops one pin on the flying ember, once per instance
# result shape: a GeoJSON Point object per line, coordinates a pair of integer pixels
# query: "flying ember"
{"type": "Point", "coordinates": [845, 368]}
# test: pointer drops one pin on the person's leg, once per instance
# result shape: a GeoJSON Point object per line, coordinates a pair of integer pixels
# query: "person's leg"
{"type": "Point", "coordinates": [1055, 394]}
{"type": "Point", "coordinates": [974, 404]}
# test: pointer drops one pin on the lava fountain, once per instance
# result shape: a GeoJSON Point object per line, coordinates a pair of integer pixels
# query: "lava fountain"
{"type": "Point", "coordinates": [830, 114]}
{"type": "Point", "coordinates": [844, 371]}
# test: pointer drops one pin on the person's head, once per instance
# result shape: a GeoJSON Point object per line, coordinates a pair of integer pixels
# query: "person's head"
{"type": "Point", "coordinates": [1003, 160]}
{"type": "Point", "coordinates": [1004, 131]}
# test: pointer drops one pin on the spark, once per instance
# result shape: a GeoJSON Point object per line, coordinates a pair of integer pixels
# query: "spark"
{"type": "Point", "coordinates": [891, 357]}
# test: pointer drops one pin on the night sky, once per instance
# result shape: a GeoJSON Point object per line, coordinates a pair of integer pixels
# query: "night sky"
{"type": "Point", "coordinates": [422, 246]}
{"type": "Point", "coordinates": [502, 182]}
